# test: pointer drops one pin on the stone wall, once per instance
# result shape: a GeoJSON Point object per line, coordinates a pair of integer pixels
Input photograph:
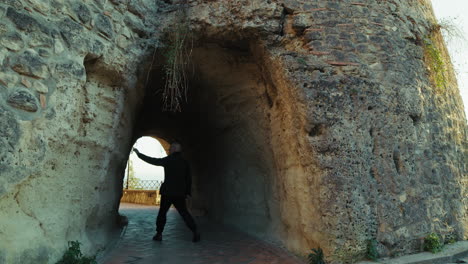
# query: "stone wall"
{"type": "Point", "coordinates": [65, 127]}
{"type": "Point", "coordinates": [328, 121]}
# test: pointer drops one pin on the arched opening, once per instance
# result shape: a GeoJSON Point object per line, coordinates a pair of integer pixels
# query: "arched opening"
{"type": "Point", "coordinates": [223, 129]}
{"type": "Point", "coordinates": [142, 180]}
{"type": "Point", "coordinates": [238, 130]}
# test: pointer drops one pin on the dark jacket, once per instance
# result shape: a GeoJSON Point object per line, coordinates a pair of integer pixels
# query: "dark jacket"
{"type": "Point", "coordinates": [177, 178]}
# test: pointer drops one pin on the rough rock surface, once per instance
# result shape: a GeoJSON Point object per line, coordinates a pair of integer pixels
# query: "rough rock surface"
{"type": "Point", "coordinates": [313, 123]}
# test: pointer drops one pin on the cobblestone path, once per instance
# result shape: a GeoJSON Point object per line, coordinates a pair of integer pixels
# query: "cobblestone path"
{"type": "Point", "coordinates": [219, 245]}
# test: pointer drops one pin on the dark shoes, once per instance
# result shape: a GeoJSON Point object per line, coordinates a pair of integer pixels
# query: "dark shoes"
{"type": "Point", "coordinates": [196, 237]}
{"type": "Point", "coordinates": [157, 237]}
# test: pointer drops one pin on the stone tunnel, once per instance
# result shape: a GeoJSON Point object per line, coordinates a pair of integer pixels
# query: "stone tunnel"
{"type": "Point", "coordinates": [311, 123]}
{"type": "Point", "coordinates": [229, 126]}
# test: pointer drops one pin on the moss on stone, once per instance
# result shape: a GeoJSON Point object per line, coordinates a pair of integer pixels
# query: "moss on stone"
{"type": "Point", "coordinates": [435, 63]}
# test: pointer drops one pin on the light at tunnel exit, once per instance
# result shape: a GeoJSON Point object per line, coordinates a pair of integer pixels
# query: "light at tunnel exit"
{"type": "Point", "coordinates": [142, 170]}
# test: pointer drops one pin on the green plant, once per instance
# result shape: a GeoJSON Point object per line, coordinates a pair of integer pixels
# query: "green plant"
{"type": "Point", "coordinates": [435, 63]}
{"type": "Point", "coordinates": [316, 257]}
{"type": "Point", "coordinates": [372, 253]}
{"type": "Point", "coordinates": [432, 243]}
{"type": "Point", "coordinates": [450, 239]}
{"type": "Point", "coordinates": [73, 255]}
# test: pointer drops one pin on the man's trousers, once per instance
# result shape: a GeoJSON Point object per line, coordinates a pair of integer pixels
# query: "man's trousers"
{"type": "Point", "coordinates": [180, 205]}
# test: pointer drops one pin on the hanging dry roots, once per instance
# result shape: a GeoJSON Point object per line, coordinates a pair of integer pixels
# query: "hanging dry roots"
{"type": "Point", "coordinates": [178, 67]}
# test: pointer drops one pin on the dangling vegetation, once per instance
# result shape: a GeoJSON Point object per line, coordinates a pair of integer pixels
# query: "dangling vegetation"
{"type": "Point", "coordinates": [177, 52]}
{"type": "Point", "coordinates": [435, 57]}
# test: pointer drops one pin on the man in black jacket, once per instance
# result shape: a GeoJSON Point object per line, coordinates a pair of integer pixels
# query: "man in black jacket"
{"type": "Point", "coordinates": [175, 188]}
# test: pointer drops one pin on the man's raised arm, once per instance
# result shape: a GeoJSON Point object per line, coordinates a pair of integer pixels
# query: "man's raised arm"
{"type": "Point", "coordinates": [150, 160]}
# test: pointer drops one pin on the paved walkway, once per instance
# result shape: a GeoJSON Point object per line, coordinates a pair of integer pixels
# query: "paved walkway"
{"type": "Point", "coordinates": [219, 245]}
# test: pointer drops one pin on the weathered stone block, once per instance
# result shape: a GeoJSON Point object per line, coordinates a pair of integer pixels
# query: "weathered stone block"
{"type": "Point", "coordinates": [122, 41]}
{"type": "Point", "coordinates": [58, 46]}
{"type": "Point", "coordinates": [104, 25]}
{"type": "Point", "coordinates": [82, 11]}
{"type": "Point", "coordinates": [8, 79]}
{"type": "Point", "coordinates": [315, 35]}
{"type": "Point", "coordinates": [9, 136]}
{"type": "Point", "coordinates": [301, 22]}
{"type": "Point", "coordinates": [70, 69]}
{"type": "Point", "coordinates": [3, 28]}
{"type": "Point", "coordinates": [72, 33]}
{"type": "Point", "coordinates": [135, 25]}
{"type": "Point", "coordinates": [23, 100]}
{"type": "Point", "coordinates": [42, 6]}
{"type": "Point", "coordinates": [30, 64]}
{"type": "Point", "coordinates": [13, 3]}
{"type": "Point", "coordinates": [39, 39]}
{"type": "Point", "coordinates": [136, 7]}
{"type": "Point", "coordinates": [96, 49]}
{"type": "Point", "coordinates": [26, 22]}
{"type": "Point", "coordinates": [12, 41]}
{"type": "Point", "coordinates": [40, 87]}
{"type": "Point", "coordinates": [26, 83]}
{"type": "Point", "coordinates": [45, 53]}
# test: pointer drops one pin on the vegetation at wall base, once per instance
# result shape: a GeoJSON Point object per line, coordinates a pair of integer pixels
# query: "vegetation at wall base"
{"type": "Point", "coordinates": [451, 238]}
{"type": "Point", "coordinates": [316, 257]}
{"type": "Point", "coordinates": [432, 243]}
{"type": "Point", "coordinates": [451, 241]}
{"type": "Point", "coordinates": [73, 255]}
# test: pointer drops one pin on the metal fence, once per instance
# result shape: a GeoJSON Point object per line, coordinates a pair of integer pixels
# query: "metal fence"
{"type": "Point", "coordinates": [143, 185]}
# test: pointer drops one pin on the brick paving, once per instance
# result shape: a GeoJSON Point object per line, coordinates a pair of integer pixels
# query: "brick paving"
{"type": "Point", "coordinates": [219, 244]}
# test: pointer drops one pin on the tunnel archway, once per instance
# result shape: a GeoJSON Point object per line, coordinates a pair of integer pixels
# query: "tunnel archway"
{"type": "Point", "coordinates": [238, 129]}
{"type": "Point", "coordinates": [141, 175]}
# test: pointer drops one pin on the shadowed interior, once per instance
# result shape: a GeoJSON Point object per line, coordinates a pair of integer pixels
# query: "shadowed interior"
{"type": "Point", "coordinates": [224, 129]}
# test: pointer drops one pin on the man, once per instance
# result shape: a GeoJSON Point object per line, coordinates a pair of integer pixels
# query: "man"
{"type": "Point", "coordinates": [175, 188]}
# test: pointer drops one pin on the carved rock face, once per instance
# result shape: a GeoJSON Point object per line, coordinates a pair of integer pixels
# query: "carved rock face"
{"type": "Point", "coordinates": [312, 123]}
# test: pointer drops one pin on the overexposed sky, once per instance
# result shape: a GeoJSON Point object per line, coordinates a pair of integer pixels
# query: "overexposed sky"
{"type": "Point", "coordinates": [455, 11]}
{"type": "Point", "coordinates": [145, 171]}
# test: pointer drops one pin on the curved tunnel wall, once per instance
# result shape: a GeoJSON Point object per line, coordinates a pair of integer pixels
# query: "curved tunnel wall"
{"type": "Point", "coordinates": [229, 127]}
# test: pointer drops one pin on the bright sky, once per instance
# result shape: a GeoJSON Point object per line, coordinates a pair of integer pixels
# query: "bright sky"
{"type": "Point", "coordinates": [145, 171]}
{"type": "Point", "coordinates": [455, 11]}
